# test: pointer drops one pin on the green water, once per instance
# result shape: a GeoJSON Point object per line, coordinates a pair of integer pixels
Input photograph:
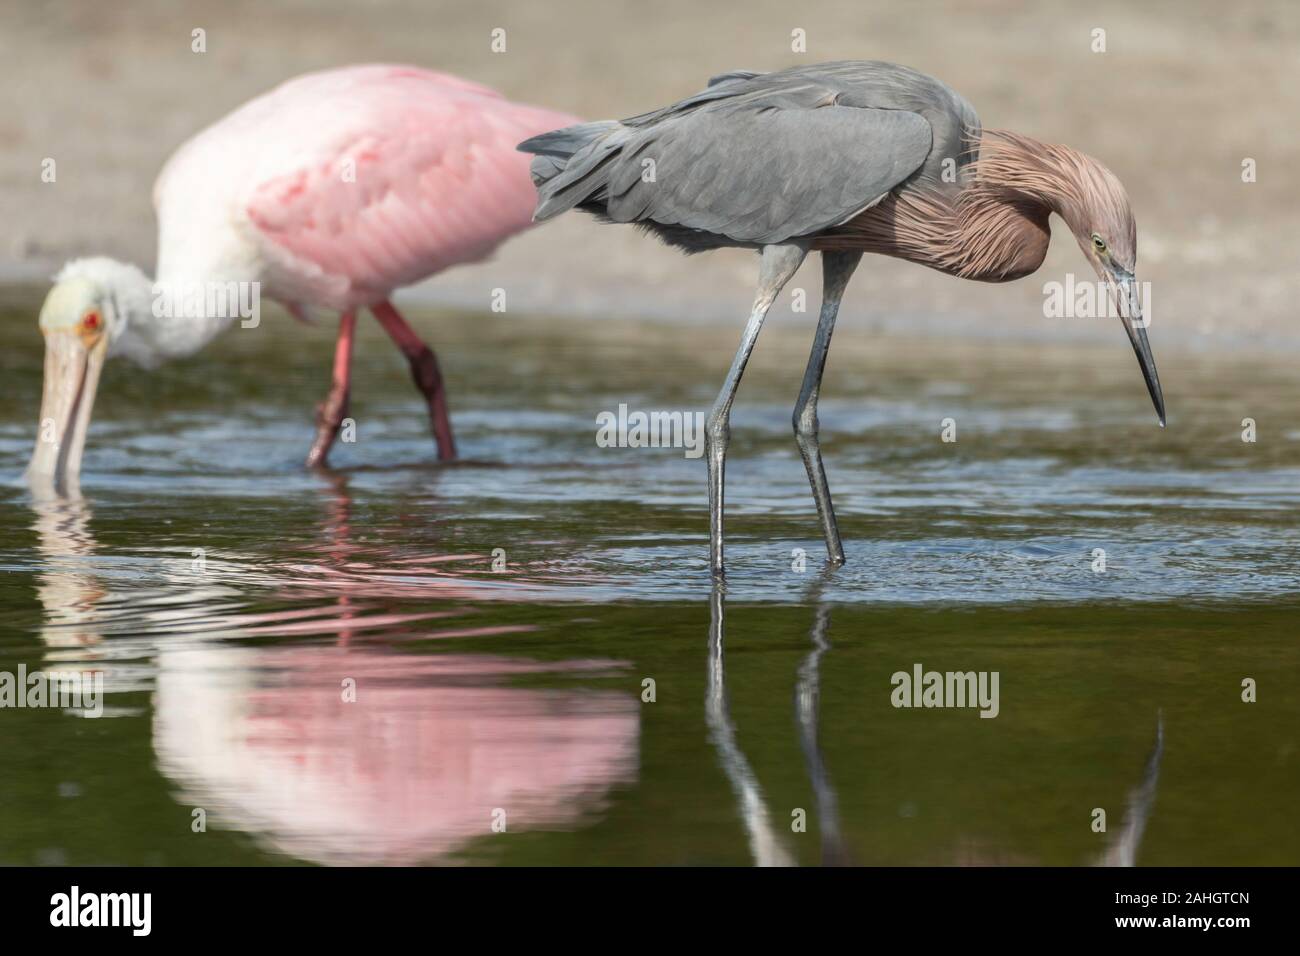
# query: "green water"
{"type": "Point", "coordinates": [230, 600]}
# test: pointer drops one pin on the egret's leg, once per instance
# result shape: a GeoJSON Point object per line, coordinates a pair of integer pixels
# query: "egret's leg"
{"type": "Point", "coordinates": [424, 371]}
{"type": "Point", "coordinates": [331, 412]}
{"type": "Point", "coordinates": [837, 268]}
{"type": "Point", "coordinates": [777, 265]}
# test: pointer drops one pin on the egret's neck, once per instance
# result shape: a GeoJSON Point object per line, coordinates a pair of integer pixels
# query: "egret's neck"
{"type": "Point", "coordinates": [993, 229]}
{"type": "Point", "coordinates": [983, 234]}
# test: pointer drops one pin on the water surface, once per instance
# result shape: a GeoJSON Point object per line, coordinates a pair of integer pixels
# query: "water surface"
{"type": "Point", "coordinates": [232, 601]}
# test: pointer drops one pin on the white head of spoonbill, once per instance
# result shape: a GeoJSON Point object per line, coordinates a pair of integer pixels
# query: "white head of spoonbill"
{"type": "Point", "coordinates": [84, 320]}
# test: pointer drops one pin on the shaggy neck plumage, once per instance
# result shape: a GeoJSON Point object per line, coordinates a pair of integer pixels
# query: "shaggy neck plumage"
{"type": "Point", "coordinates": [994, 228]}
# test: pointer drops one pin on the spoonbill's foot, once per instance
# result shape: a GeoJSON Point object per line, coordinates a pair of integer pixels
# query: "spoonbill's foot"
{"type": "Point", "coordinates": [331, 412]}
{"type": "Point", "coordinates": [329, 419]}
{"type": "Point", "coordinates": [424, 372]}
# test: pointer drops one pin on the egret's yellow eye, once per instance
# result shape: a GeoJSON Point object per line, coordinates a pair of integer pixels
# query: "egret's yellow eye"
{"type": "Point", "coordinates": [1098, 243]}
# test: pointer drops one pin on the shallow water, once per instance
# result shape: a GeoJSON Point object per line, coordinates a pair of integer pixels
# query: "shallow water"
{"type": "Point", "coordinates": [231, 600]}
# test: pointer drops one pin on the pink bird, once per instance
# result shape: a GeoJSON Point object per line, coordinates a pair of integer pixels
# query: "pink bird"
{"type": "Point", "coordinates": [330, 191]}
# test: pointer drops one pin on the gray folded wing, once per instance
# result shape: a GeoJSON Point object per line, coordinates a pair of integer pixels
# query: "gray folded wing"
{"type": "Point", "coordinates": [755, 174]}
{"type": "Point", "coordinates": [765, 176]}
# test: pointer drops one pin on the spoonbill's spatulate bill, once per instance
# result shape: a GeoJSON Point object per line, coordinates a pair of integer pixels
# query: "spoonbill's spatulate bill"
{"type": "Point", "coordinates": [330, 191]}
{"type": "Point", "coordinates": [842, 159]}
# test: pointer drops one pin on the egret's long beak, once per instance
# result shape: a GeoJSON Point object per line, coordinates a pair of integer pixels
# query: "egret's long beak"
{"type": "Point", "coordinates": [1129, 305]}
{"type": "Point", "coordinates": [72, 368]}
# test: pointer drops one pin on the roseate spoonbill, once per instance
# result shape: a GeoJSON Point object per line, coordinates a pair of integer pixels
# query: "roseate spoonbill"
{"type": "Point", "coordinates": [839, 158]}
{"type": "Point", "coordinates": [330, 191]}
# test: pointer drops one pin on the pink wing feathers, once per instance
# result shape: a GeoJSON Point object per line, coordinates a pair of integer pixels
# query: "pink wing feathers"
{"type": "Point", "coordinates": [404, 173]}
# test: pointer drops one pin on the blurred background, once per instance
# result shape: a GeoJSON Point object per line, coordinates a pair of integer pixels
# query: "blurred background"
{"type": "Point", "coordinates": [1184, 92]}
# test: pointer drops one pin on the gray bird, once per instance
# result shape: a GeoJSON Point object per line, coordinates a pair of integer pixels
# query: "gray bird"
{"type": "Point", "coordinates": [839, 158]}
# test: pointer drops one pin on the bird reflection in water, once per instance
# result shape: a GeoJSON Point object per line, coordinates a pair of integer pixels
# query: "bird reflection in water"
{"type": "Point", "coordinates": [807, 702]}
{"type": "Point", "coordinates": [433, 752]}
{"type": "Point", "coordinates": [765, 841]}
{"type": "Point", "coordinates": [347, 752]}
{"type": "Point", "coordinates": [1124, 845]}
{"type": "Point", "coordinates": [67, 586]}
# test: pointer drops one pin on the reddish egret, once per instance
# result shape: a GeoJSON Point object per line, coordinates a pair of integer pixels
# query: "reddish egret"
{"type": "Point", "coordinates": [841, 158]}
{"type": "Point", "coordinates": [330, 191]}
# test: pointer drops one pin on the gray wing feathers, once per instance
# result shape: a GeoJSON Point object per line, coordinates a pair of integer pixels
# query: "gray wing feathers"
{"type": "Point", "coordinates": [544, 167]}
{"type": "Point", "coordinates": [577, 179]}
{"type": "Point", "coordinates": [762, 157]}
{"type": "Point", "coordinates": [732, 76]}
{"type": "Point", "coordinates": [763, 176]}
{"type": "Point", "coordinates": [567, 141]}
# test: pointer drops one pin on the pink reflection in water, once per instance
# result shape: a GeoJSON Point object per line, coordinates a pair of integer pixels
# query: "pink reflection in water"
{"type": "Point", "coordinates": [261, 737]}
{"type": "Point", "coordinates": [410, 772]}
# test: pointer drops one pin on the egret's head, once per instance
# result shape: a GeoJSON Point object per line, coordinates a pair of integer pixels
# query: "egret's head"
{"type": "Point", "coordinates": [1093, 203]}
{"type": "Point", "coordinates": [1099, 215]}
{"type": "Point", "coordinates": [1098, 212]}
{"type": "Point", "coordinates": [82, 316]}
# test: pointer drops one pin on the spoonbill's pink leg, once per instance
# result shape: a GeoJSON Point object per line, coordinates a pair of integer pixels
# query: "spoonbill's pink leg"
{"type": "Point", "coordinates": [331, 412]}
{"type": "Point", "coordinates": [424, 370]}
